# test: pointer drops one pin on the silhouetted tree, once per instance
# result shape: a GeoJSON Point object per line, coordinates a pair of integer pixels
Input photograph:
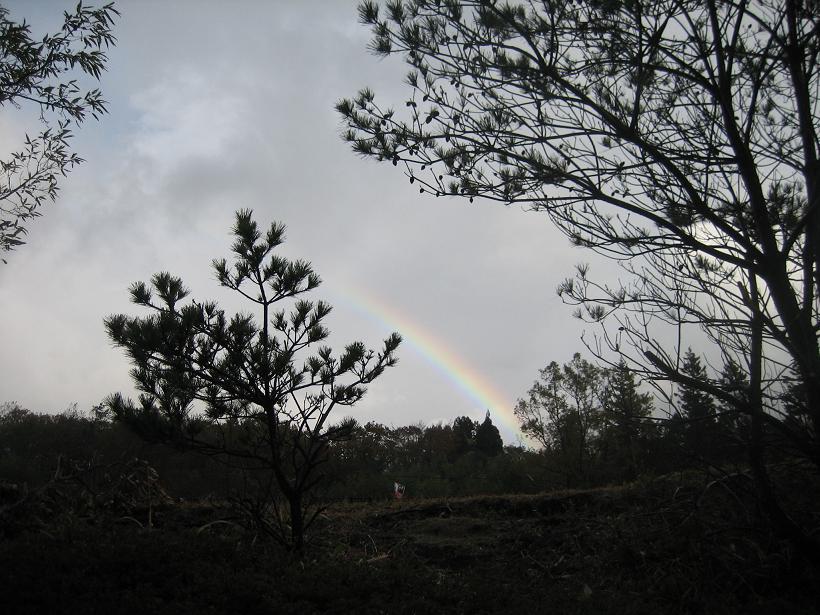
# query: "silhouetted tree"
{"type": "Point", "coordinates": [34, 71]}
{"type": "Point", "coordinates": [733, 426]}
{"type": "Point", "coordinates": [487, 438]}
{"type": "Point", "coordinates": [627, 430]}
{"type": "Point", "coordinates": [584, 385]}
{"type": "Point", "coordinates": [464, 434]}
{"type": "Point", "coordinates": [680, 138]}
{"type": "Point", "coordinates": [409, 444]}
{"type": "Point", "coordinates": [563, 412]}
{"type": "Point", "coordinates": [541, 412]}
{"type": "Point", "coordinates": [439, 443]}
{"type": "Point", "coordinates": [796, 406]}
{"type": "Point", "coordinates": [697, 410]}
{"type": "Point", "coordinates": [232, 387]}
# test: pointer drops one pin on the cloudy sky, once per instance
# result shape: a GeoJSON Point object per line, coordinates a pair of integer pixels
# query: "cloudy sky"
{"type": "Point", "coordinates": [217, 106]}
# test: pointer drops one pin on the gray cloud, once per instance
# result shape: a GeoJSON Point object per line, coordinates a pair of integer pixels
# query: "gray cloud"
{"type": "Point", "coordinates": [216, 107]}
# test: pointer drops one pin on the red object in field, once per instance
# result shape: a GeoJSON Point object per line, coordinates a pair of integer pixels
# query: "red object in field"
{"type": "Point", "coordinates": [398, 491]}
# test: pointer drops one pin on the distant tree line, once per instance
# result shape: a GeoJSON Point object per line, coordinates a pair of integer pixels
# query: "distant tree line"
{"type": "Point", "coordinates": [465, 457]}
{"type": "Point", "coordinates": [588, 426]}
{"type": "Point", "coordinates": [31, 444]}
{"type": "Point", "coordinates": [596, 426]}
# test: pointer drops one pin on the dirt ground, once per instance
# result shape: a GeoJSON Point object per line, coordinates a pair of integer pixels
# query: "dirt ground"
{"type": "Point", "coordinates": [659, 547]}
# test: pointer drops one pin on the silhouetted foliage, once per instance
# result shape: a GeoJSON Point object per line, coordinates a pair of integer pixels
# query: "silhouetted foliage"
{"type": "Point", "coordinates": [734, 425]}
{"type": "Point", "coordinates": [231, 387]}
{"type": "Point", "coordinates": [464, 434]}
{"type": "Point", "coordinates": [696, 410]}
{"type": "Point", "coordinates": [34, 71]}
{"type": "Point", "coordinates": [564, 412]}
{"type": "Point", "coordinates": [487, 438]}
{"type": "Point", "coordinates": [628, 430]}
{"type": "Point", "coordinates": [679, 138]}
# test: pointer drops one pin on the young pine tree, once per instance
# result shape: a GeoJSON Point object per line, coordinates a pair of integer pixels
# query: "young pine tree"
{"type": "Point", "coordinates": [233, 387]}
{"type": "Point", "coordinates": [697, 411]}
{"type": "Point", "coordinates": [627, 430]}
{"type": "Point", "coordinates": [487, 438]}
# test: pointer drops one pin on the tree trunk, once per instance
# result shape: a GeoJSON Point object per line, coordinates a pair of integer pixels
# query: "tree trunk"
{"type": "Point", "coordinates": [297, 522]}
{"type": "Point", "coordinates": [784, 525]}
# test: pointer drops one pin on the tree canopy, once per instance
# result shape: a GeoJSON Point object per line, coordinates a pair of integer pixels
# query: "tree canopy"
{"type": "Point", "coordinates": [563, 413]}
{"type": "Point", "coordinates": [35, 72]}
{"type": "Point", "coordinates": [681, 132]}
{"type": "Point", "coordinates": [677, 137]}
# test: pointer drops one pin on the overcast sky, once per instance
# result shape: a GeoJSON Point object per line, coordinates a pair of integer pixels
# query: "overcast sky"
{"type": "Point", "coordinates": [216, 106]}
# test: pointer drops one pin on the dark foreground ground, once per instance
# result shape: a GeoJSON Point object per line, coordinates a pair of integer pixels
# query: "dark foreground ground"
{"type": "Point", "coordinates": [659, 547]}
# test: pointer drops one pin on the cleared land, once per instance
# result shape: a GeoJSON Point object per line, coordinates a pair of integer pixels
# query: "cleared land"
{"type": "Point", "coordinates": [673, 545]}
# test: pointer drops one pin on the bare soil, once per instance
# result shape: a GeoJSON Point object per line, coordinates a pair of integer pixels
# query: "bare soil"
{"type": "Point", "coordinates": [665, 546]}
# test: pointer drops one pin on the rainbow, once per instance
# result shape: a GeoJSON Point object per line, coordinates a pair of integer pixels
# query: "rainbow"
{"type": "Point", "coordinates": [454, 368]}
